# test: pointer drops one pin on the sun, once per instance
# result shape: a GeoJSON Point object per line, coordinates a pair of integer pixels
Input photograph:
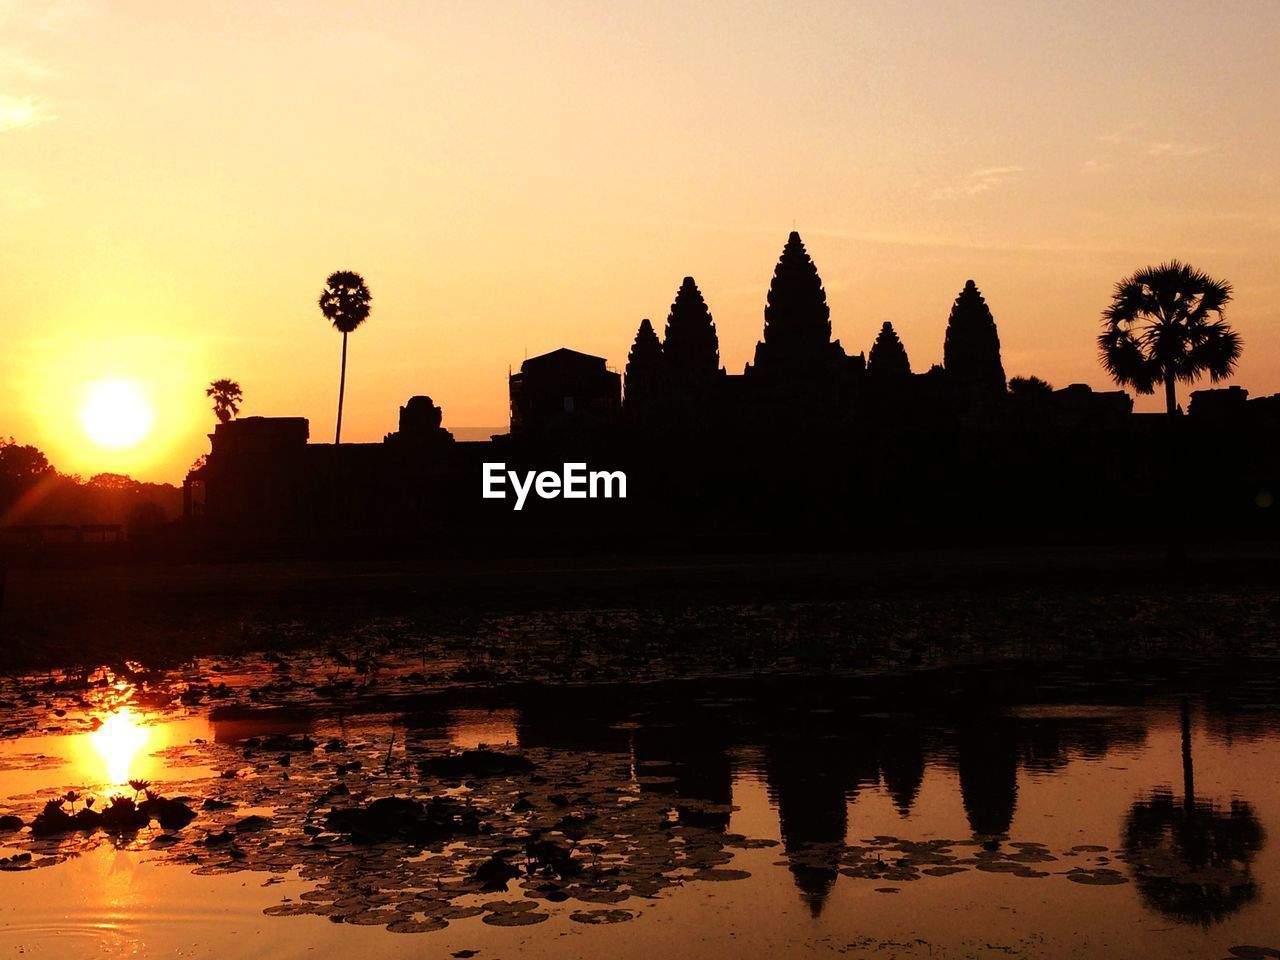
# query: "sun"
{"type": "Point", "coordinates": [115, 414]}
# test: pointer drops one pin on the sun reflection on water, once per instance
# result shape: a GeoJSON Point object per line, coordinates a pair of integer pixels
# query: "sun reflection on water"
{"type": "Point", "coordinates": [117, 743]}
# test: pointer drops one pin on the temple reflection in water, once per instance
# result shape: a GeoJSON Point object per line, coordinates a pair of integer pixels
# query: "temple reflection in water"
{"type": "Point", "coordinates": [821, 753]}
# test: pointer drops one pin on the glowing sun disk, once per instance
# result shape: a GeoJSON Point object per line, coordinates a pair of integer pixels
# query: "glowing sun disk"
{"type": "Point", "coordinates": [115, 414]}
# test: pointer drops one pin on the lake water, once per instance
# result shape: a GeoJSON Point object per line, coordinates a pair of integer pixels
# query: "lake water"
{"type": "Point", "coordinates": [997, 811]}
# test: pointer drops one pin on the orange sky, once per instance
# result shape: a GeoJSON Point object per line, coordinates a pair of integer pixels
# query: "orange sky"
{"type": "Point", "coordinates": [176, 181]}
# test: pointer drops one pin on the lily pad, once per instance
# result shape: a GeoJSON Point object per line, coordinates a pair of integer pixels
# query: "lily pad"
{"type": "Point", "coordinates": [602, 916]}
{"type": "Point", "coordinates": [523, 919]}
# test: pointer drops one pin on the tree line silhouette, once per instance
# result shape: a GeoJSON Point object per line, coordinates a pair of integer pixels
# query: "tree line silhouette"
{"type": "Point", "coordinates": [34, 493]}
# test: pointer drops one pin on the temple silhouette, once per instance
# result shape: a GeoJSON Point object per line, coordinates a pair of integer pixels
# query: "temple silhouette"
{"type": "Point", "coordinates": [808, 442]}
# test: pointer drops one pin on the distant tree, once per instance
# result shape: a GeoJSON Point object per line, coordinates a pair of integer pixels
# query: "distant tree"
{"type": "Point", "coordinates": [888, 358]}
{"type": "Point", "coordinates": [345, 303]}
{"type": "Point", "coordinates": [22, 463]}
{"type": "Point", "coordinates": [1164, 325]}
{"type": "Point", "coordinates": [797, 320]}
{"type": "Point", "coordinates": [113, 481]}
{"type": "Point", "coordinates": [27, 482]}
{"type": "Point", "coordinates": [1030, 387]}
{"type": "Point", "coordinates": [226, 396]}
{"type": "Point", "coordinates": [971, 350]}
{"type": "Point", "coordinates": [32, 491]}
{"type": "Point", "coordinates": [690, 346]}
{"type": "Point", "coordinates": [1030, 401]}
{"type": "Point", "coordinates": [644, 371]}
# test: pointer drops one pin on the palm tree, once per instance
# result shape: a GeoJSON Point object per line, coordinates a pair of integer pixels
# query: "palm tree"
{"type": "Point", "coordinates": [1164, 325]}
{"type": "Point", "coordinates": [344, 303]}
{"type": "Point", "coordinates": [226, 396]}
{"type": "Point", "coordinates": [1192, 858]}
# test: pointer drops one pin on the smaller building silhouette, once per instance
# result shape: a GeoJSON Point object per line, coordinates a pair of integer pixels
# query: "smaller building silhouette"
{"type": "Point", "coordinates": [563, 391]}
{"type": "Point", "coordinates": [258, 435]}
{"type": "Point", "coordinates": [420, 425]}
{"type": "Point", "coordinates": [1078, 406]}
{"type": "Point", "coordinates": [1219, 402]}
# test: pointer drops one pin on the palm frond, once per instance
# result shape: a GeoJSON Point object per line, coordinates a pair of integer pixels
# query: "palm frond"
{"type": "Point", "coordinates": [1214, 295]}
{"type": "Point", "coordinates": [1122, 356]}
{"type": "Point", "coordinates": [1217, 352]}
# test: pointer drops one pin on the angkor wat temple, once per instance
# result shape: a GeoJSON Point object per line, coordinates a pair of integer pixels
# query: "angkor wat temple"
{"type": "Point", "coordinates": [809, 442]}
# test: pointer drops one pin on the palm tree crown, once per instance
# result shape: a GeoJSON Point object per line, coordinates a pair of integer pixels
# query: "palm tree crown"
{"type": "Point", "coordinates": [226, 395]}
{"type": "Point", "coordinates": [345, 300]}
{"type": "Point", "coordinates": [1164, 325]}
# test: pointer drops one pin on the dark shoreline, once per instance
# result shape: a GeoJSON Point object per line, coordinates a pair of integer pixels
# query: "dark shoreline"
{"type": "Point", "coordinates": [1076, 600]}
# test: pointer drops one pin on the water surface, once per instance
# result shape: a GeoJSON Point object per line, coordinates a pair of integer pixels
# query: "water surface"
{"type": "Point", "coordinates": [1014, 811]}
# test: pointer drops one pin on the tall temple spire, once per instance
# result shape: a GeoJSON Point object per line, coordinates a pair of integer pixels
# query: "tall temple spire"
{"type": "Point", "coordinates": [797, 320]}
{"type": "Point", "coordinates": [644, 371]}
{"type": "Point", "coordinates": [888, 360]}
{"type": "Point", "coordinates": [971, 351]}
{"type": "Point", "coordinates": [690, 348]}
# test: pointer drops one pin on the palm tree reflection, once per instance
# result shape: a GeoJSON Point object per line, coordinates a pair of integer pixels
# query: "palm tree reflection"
{"type": "Point", "coordinates": [1191, 858]}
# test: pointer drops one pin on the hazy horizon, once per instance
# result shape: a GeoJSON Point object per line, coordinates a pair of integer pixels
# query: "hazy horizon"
{"type": "Point", "coordinates": [176, 184]}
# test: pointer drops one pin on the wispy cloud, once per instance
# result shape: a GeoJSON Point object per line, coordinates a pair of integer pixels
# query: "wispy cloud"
{"type": "Point", "coordinates": [979, 181]}
{"type": "Point", "coordinates": [1171, 149]}
{"type": "Point", "coordinates": [958, 242]}
{"type": "Point", "coordinates": [1122, 149]}
{"type": "Point", "coordinates": [18, 113]}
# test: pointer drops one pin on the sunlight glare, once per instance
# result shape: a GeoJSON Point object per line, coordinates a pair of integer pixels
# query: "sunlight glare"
{"type": "Point", "coordinates": [115, 414]}
{"type": "Point", "coordinates": [118, 742]}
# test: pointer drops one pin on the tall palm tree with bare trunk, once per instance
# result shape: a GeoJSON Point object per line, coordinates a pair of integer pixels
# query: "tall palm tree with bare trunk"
{"type": "Point", "coordinates": [1165, 325]}
{"type": "Point", "coordinates": [345, 303]}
